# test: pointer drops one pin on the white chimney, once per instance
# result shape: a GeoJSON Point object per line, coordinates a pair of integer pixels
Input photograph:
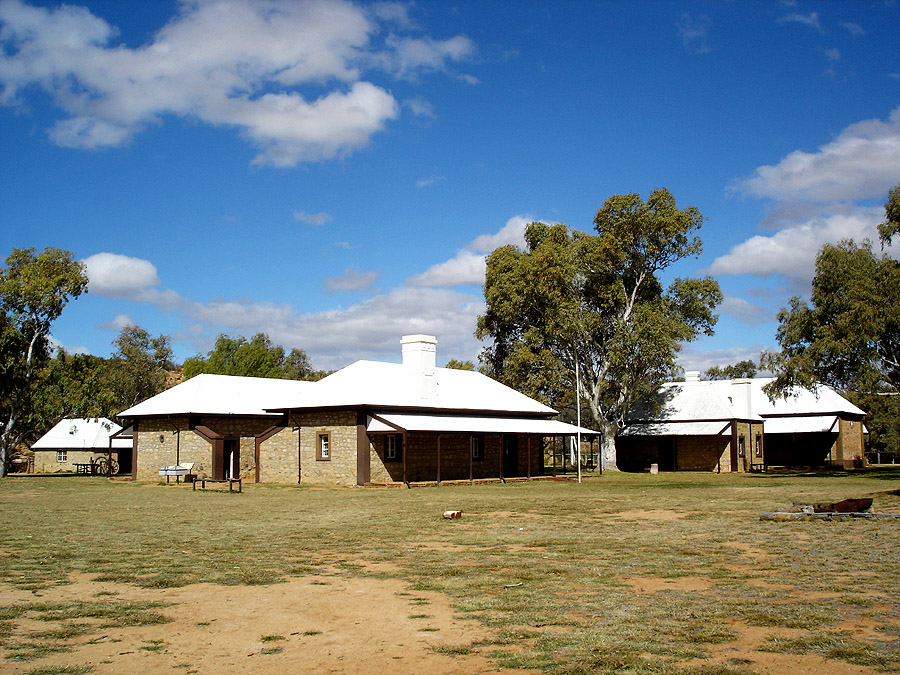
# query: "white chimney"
{"type": "Point", "coordinates": [419, 357]}
{"type": "Point", "coordinates": [740, 390]}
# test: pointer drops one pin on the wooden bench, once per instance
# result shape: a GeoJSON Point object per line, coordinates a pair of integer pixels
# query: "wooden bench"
{"type": "Point", "coordinates": [231, 483]}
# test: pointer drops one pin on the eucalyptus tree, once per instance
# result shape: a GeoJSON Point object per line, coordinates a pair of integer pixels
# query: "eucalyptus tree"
{"type": "Point", "coordinates": [847, 336]}
{"type": "Point", "coordinates": [34, 289]}
{"type": "Point", "coordinates": [593, 306]}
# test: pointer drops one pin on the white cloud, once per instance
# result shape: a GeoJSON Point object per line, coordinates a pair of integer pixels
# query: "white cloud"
{"type": "Point", "coordinates": [352, 280]}
{"type": "Point", "coordinates": [119, 276]}
{"type": "Point", "coordinates": [118, 322]}
{"type": "Point", "coordinates": [513, 233]}
{"type": "Point", "coordinates": [234, 63]}
{"type": "Point", "coordinates": [420, 107]}
{"type": "Point", "coordinates": [791, 253]}
{"type": "Point", "coordinates": [854, 29]}
{"type": "Point", "coordinates": [861, 163]}
{"type": "Point", "coordinates": [744, 311]}
{"type": "Point", "coordinates": [702, 360]}
{"type": "Point", "coordinates": [811, 20]}
{"type": "Point", "coordinates": [368, 329]}
{"type": "Point", "coordinates": [694, 33]}
{"type": "Point", "coordinates": [317, 219]}
{"type": "Point", "coordinates": [467, 267]}
{"type": "Point", "coordinates": [429, 182]}
{"type": "Point", "coordinates": [411, 55]}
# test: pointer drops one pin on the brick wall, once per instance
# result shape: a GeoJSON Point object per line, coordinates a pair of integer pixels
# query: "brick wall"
{"type": "Point", "coordinates": [701, 453]}
{"type": "Point", "coordinates": [421, 459]}
{"type": "Point", "coordinates": [848, 448]}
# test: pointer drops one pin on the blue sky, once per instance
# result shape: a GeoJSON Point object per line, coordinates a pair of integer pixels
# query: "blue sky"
{"type": "Point", "coordinates": [333, 173]}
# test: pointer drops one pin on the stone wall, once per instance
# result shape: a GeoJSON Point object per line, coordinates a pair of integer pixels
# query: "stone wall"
{"type": "Point", "coordinates": [340, 467]}
{"type": "Point", "coordinates": [173, 441]}
{"type": "Point", "coordinates": [45, 460]}
{"type": "Point", "coordinates": [279, 457]}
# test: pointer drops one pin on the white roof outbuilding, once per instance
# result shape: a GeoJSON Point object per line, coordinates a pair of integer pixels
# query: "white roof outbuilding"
{"type": "Point", "coordinates": [82, 434]}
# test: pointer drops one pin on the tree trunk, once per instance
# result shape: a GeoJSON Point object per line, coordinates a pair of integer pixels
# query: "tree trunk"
{"type": "Point", "coordinates": [608, 448]}
{"type": "Point", "coordinates": [5, 437]}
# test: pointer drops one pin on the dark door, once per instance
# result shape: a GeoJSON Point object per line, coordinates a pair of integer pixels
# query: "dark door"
{"type": "Point", "coordinates": [510, 456]}
{"type": "Point", "coordinates": [231, 456]}
{"type": "Point", "coordinates": [666, 453]}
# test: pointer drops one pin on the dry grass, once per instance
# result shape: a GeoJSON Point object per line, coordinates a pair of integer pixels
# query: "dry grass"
{"type": "Point", "coordinates": [634, 573]}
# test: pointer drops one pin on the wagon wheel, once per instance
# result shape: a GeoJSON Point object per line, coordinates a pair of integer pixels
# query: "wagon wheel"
{"type": "Point", "coordinates": [100, 466]}
{"type": "Point", "coordinates": [114, 467]}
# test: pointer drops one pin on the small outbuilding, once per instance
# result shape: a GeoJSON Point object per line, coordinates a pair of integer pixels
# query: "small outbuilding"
{"type": "Point", "coordinates": [731, 425]}
{"type": "Point", "coordinates": [74, 443]}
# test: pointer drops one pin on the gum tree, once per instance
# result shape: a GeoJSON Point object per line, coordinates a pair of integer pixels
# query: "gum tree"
{"type": "Point", "coordinates": [34, 289]}
{"type": "Point", "coordinates": [594, 303]}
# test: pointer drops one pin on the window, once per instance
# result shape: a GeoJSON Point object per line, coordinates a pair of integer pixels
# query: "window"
{"type": "Point", "coordinates": [393, 448]}
{"type": "Point", "coordinates": [741, 451]}
{"type": "Point", "coordinates": [759, 445]}
{"type": "Point", "coordinates": [324, 447]}
{"type": "Point", "coordinates": [62, 455]}
{"type": "Point", "coordinates": [477, 448]}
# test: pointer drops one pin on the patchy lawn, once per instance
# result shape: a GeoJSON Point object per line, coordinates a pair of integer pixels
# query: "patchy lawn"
{"type": "Point", "coordinates": [634, 573]}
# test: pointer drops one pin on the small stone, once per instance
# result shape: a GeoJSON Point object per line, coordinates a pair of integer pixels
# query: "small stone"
{"type": "Point", "coordinates": [452, 515]}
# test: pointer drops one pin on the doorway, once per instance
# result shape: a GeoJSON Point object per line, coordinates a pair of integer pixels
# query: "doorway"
{"type": "Point", "coordinates": [510, 456]}
{"type": "Point", "coordinates": [226, 458]}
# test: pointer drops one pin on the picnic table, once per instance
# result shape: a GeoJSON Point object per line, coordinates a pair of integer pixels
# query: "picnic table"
{"type": "Point", "coordinates": [231, 483]}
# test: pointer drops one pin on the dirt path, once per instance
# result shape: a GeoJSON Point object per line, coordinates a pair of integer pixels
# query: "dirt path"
{"type": "Point", "coordinates": [313, 624]}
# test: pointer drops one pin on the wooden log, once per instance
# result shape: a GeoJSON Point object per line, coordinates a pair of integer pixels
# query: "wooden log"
{"type": "Point", "coordinates": [452, 515]}
{"type": "Point", "coordinates": [829, 515]}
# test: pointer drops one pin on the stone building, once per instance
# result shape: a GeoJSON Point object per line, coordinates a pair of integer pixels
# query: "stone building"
{"type": "Point", "coordinates": [731, 425]}
{"type": "Point", "coordinates": [81, 441]}
{"type": "Point", "coordinates": [371, 422]}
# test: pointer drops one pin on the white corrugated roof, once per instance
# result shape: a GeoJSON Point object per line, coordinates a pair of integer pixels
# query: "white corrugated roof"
{"type": "Point", "coordinates": [801, 425]}
{"type": "Point", "coordinates": [801, 401]}
{"type": "Point", "coordinates": [393, 385]}
{"type": "Point", "coordinates": [725, 399]}
{"type": "Point", "coordinates": [467, 424]}
{"type": "Point", "coordinates": [719, 427]}
{"type": "Point", "coordinates": [82, 434]}
{"type": "Point", "coordinates": [220, 395]}
{"type": "Point", "coordinates": [686, 401]}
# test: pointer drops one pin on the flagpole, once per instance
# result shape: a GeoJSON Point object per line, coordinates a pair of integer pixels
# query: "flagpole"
{"type": "Point", "coordinates": [578, 413]}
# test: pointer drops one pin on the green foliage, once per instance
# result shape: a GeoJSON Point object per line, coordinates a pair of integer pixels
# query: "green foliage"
{"type": "Point", "coordinates": [745, 368]}
{"type": "Point", "coordinates": [34, 289]}
{"type": "Point", "coordinates": [258, 357]}
{"type": "Point", "coordinates": [847, 336]}
{"type": "Point", "coordinates": [137, 369]}
{"type": "Point", "coordinates": [891, 224]}
{"type": "Point", "coordinates": [453, 364]}
{"type": "Point", "coordinates": [595, 300]}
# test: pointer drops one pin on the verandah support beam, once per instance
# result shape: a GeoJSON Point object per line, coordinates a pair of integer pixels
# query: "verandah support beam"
{"type": "Point", "coordinates": [529, 457]}
{"type": "Point", "coordinates": [502, 455]}
{"type": "Point", "coordinates": [439, 459]}
{"type": "Point", "coordinates": [405, 451]}
{"type": "Point", "coordinates": [471, 458]}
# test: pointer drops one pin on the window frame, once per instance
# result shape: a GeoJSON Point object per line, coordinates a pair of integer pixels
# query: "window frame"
{"type": "Point", "coordinates": [477, 447]}
{"type": "Point", "coordinates": [323, 446]}
{"type": "Point", "coordinates": [742, 446]}
{"type": "Point", "coordinates": [759, 449]}
{"type": "Point", "coordinates": [62, 456]}
{"type": "Point", "coordinates": [397, 447]}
